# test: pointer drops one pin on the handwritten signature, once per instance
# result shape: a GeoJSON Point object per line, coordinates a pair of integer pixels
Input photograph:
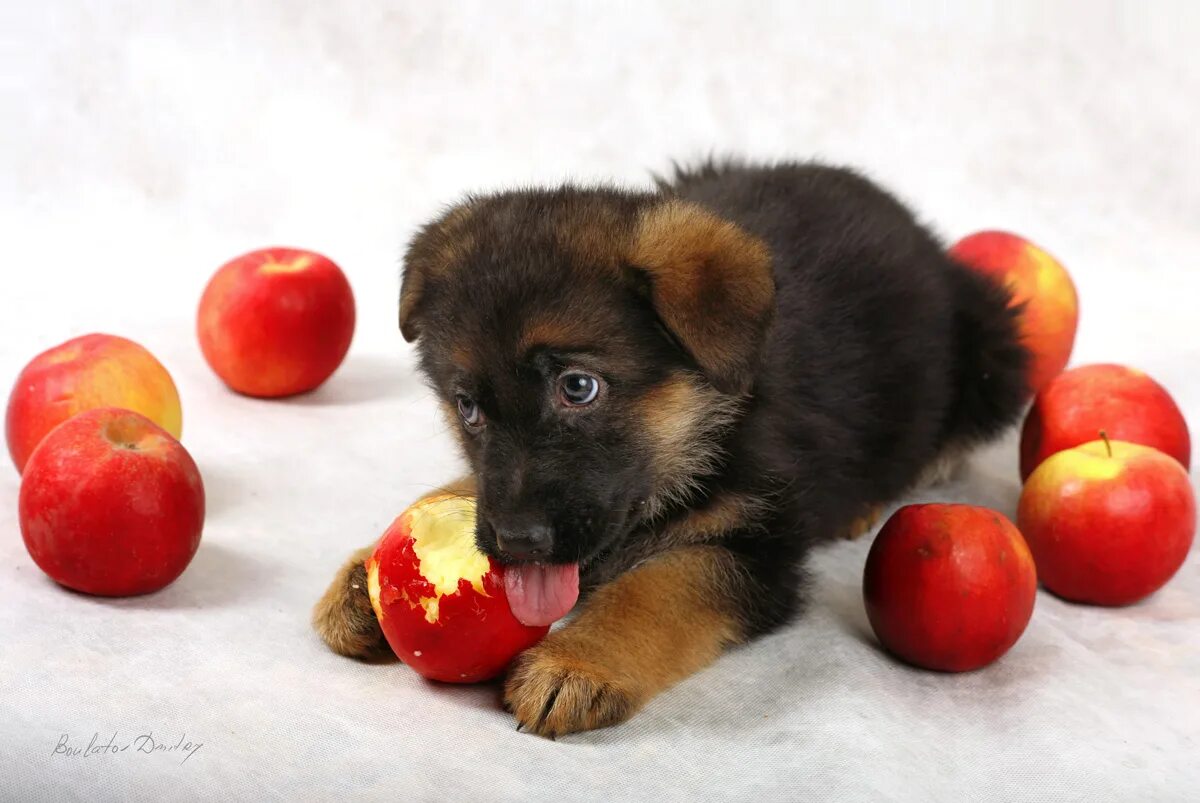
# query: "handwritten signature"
{"type": "Point", "coordinates": [144, 743]}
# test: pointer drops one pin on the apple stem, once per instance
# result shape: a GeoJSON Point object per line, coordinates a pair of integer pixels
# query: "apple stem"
{"type": "Point", "coordinates": [1107, 445]}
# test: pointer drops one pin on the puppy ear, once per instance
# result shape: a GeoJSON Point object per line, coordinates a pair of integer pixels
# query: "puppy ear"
{"type": "Point", "coordinates": [712, 285]}
{"type": "Point", "coordinates": [410, 300]}
{"type": "Point", "coordinates": [433, 253]}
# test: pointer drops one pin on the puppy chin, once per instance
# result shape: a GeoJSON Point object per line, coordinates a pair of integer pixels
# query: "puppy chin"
{"type": "Point", "coordinates": [611, 539]}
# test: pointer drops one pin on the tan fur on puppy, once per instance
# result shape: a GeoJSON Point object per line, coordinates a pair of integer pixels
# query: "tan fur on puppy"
{"type": "Point", "coordinates": [343, 617]}
{"type": "Point", "coordinates": [863, 524]}
{"type": "Point", "coordinates": [725, 513]}
{"type": "Point", "coordinates": [635, 636]}
{"type": "Point", "coordinates": [685, 417]}
{"type": "Point", "coordinates": [712, 285]}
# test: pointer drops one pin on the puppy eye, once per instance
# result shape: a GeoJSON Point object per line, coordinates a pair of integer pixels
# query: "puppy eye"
{"type": "Point", "coordinates": [577, 389]}
{"type": "Point", "coordinates": [472, 416]}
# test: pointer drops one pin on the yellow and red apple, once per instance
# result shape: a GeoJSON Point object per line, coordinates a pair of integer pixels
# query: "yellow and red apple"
{"type": "Point", "coordinates": [440, 601]}
{"type": "Point", "coordinates": [1040, 285]}
{"type": "Point", "coordinates": [1108, 522]}
{"type": "Point", "coordinates": [81, 374]}
{"type": "Point", "coordinates": [111, 504]}
{"type": "Point", "coordinates": [276, 322]}
{"type": "Point", "coordinates": [949, 587]}
{"type": "Point", "coordinates": [1123, 402]}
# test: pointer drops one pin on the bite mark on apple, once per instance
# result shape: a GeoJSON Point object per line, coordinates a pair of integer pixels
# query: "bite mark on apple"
{"type": "Point", "coordinates": [373, 587]}
{"type": "Point", "coordinates": [443, 537]}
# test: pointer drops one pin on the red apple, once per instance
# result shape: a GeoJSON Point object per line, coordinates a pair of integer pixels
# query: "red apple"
{"type": "Point", "coordinates": [1109, 522]}
{"type": "Point", "coordinates": [82, 374]}
{"type": "Point", "coordinates": [111, 504]}
{"type": "Point", "coordinates": [1038, 281]}
{"type": "Point", "coordinates": [1123, 402]}
{"type": "Point", "coordinates": [949, 587]}
{"type": "Point", "coordinates": [440, 601]}
{"type": "Point", "coordinates": [276, 322]}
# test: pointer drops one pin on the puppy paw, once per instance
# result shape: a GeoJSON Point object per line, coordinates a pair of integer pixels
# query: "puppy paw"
{"type": "Point", "coordinates": [344, 617]}
{"type": "Point", "coordinates": [553, 694]}
{"type": "Point", "coordinates": [863, 524]}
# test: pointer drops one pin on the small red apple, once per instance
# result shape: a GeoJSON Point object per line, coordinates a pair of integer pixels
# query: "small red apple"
{"type": "Point", "coordinates": [111, 504]}
{"type": "Point", "coordinates": [1109, 522]}
{"type": "Point", "coordinates": [1124, 402]}
{"type": "Point", "coordinates": [949, 587]}
{"type": "Point", "coordinates": [82, 374]}
{"type": "Point", "coordinates": [1039, 282]}
{"type": "Point", "coordinates": [440, 601]}
{"type": "Point", "coordinates": [276, 322]}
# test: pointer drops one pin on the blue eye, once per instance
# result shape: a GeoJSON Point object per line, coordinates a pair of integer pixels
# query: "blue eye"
{"type": "Point", "coordinates": [577, 389]}
{"type": "Point", "coordinates": [472, 416]}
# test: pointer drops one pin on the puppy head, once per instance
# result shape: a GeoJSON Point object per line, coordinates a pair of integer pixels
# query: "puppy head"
{"type": "Point", "coordinates": [590, 348]}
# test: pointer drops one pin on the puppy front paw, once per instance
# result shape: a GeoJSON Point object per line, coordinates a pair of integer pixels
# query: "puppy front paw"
{"type": "Point", "coordinates": [344, 618]}
{"type": "Point", "coordinates": [552, 692]}
{"type": "Point", "coordinates": [863, 524]}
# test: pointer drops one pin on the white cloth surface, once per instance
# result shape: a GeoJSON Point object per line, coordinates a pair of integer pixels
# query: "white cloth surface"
{"type": "Point", "coordinates": [146, 143]}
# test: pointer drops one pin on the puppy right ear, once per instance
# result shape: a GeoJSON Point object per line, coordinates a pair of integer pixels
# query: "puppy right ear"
{"type": "Point", "coordinates": [433, 253]}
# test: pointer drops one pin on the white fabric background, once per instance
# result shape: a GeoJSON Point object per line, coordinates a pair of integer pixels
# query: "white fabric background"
{"type": "Point", "coordinates": [144, 144]}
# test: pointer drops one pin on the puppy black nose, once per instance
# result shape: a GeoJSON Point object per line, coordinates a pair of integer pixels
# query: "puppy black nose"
{"type": "Point", "coordinates": [523, 538]}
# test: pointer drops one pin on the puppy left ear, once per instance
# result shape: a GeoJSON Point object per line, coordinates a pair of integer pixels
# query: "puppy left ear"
{"type": "Point", "coordinates": [436, 250]}
{"type": "Point", "coordinates": [410, 299]}
{"type": "Point", "coordinates": [712, 285]}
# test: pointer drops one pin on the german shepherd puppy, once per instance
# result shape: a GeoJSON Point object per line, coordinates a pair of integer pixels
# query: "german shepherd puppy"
{"type": "Point", "coordinates": [668, 398]}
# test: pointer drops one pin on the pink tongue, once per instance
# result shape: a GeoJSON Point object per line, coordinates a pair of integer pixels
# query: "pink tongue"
{"type": "Point", "coordinates": [539, 594]}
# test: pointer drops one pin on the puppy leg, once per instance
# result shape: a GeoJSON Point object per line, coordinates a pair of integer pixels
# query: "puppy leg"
{"type": "Point", "coordinates": [945, 466]}
{"type": "Point", "coordinates": [863, 524]}
{"type": "Point", "coordinates": [343, 617]}
{"type": "Point", "coordinates": [635, 636]}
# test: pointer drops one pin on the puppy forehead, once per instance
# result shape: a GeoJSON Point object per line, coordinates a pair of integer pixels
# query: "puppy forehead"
{"type": "Point", "coordinates": [588, 330]}
{"type": "Point", "coordinates": [519, 273]}
{"type": "Point", "coordinates": [571, 229]}
{"type": "Point", "coordinates": [579, 327]}
{"type": "Point", "coordinates": [543, 302]}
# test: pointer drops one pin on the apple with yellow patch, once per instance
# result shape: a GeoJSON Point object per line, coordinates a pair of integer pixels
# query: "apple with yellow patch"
{"type": "Point", "coordinates": [276, 322]}
{"type": "Point", "coordinates": [1040, 285]}
{"type": "Point", "coordinates": [81, 374]}
{"type": "Point", "coordinates": [1109, 522]}
{"type": "Point", "coordinates": [440, 601]}
{"type": "Point", "coordinates": [1123, 402]}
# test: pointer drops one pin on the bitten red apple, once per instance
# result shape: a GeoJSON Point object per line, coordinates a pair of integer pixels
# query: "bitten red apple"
{"type": "Point", "coordinates": [81, 374]}
{"type": "Point", "coordinates": [949, 587]}
{"type": "Point", "coordinates": [111, 504]}
{"type": "Point", "coordinates": [1037, 280]}
{"type": "Point", "coordinates": [276, 322]}
{"type": "Point", "coordinates": [1123, 402]}
{"type": "Point", "coordinates": [440, 601]}
{"type": "Point", "coordinates": [1109, 523]}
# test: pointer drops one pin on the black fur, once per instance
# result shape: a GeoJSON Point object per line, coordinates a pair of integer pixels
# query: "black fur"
{"type": "Point", "coordinates": [883, 354]}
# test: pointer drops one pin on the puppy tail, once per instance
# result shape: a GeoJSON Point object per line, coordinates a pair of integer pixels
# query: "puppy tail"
{"type": "Point", "coordinates": [990, 363]}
